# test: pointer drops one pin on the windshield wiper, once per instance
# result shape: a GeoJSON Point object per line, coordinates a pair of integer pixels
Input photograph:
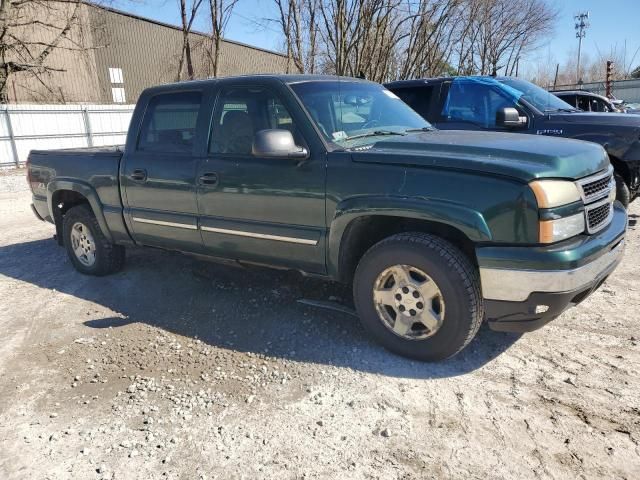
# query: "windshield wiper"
{"type": "Point", "coordinates": [423, 129]}
{"type": "Point", "coordinates": [375, 134]}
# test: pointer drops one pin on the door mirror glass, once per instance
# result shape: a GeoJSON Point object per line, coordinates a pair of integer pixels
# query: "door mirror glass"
{"type": "Point", "coordinates": [510, 118]}
{"type": "Point", "coordinates": [276, 143]}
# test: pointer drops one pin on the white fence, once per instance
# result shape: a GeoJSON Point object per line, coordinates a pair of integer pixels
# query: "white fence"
{"type": "Point", "coordinates": [28, 127]}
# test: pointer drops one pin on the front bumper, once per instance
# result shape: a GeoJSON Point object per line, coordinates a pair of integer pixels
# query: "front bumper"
{"type": "Point", "coordinates": [547, 280]}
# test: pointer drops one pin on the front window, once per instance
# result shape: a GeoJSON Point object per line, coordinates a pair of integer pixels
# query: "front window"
{"type": "Point", "coordinates": [535, 96]}
{"type": "Point", "coordinates": [243, 111]}
{"type": "Point", "coordinates": [476, 100]}
{"type": "Point", "coordinates": [352, 114]}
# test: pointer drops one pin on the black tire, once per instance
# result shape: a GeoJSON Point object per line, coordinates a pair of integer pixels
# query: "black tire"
{"type": "Point", "coordinates": [453, 273]}
{"type": "Point", "coordinates": [623, 195]}
{"type": "Point", "coordinates": [109, 258]}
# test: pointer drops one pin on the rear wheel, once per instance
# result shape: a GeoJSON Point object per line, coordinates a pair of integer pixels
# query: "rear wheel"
{"type": "Point", "coordinates": [419, 296]}
{"type": "Point", "coordinates": [88, 249]}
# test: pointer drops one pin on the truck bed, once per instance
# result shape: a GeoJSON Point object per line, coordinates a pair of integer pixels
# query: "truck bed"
{"type": "Point", "coordinates": [95, 168]}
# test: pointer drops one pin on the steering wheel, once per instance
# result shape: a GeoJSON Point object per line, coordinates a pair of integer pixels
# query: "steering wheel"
{"type": "Point", "coordinates": [370, 124]}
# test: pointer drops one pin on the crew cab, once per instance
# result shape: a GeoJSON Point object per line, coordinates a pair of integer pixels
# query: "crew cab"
{"type": "Point", "coordinates": [338, 178]}
{"type": "Point", "coordinates": [508, 104]}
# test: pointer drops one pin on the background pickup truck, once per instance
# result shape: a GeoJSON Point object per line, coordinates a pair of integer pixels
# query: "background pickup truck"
{"type": "Point", "coordinates": [340, 179]}
{"type": "Point", "coordinates": [514, 105]}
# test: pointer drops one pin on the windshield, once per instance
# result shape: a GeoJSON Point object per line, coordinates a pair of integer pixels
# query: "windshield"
{"type": "Point", "coordinates": [536, 96]}
{"type": "Point", "coordinates": [352, 114]}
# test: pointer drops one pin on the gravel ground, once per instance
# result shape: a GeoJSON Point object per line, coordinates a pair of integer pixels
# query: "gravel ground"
{"type": "Point", "coordinates": [176, 368]}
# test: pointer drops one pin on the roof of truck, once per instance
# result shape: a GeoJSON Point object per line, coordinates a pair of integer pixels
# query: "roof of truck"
{"type": "Point", "coordinates": [426, 81]}
{"type": "Point", "coordinates": [285, 78]}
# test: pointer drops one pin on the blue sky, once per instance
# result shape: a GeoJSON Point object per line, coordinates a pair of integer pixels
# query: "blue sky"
{"type": "Point", "coordinates": [612, 22]}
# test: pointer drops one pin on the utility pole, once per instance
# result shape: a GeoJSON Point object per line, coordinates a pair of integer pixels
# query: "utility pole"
{"type": "Point", "coordinates": [609, 77]}
{"type": "Point", "coordinates": [581, 31]}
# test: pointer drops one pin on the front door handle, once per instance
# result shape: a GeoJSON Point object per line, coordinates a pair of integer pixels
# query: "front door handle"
{"type": "Point", "coordinates": [209, 178]}
{"type": "Point", "coordinates": [139, 175]}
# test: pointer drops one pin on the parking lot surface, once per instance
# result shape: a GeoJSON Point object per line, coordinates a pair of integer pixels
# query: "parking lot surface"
{"type": "Point", "coordinates": [179, 368]}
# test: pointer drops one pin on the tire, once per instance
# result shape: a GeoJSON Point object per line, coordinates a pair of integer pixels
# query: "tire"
{"type": "Point", "coordinates": [623, 195]}
{"type": "Point", "coordinates": [80, 222]}
{"type": "Point", "coordinates": [459, 301]}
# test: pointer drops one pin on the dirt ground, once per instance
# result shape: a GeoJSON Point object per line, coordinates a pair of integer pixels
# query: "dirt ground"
{"type": "Point", "coordinates": [175, 368]}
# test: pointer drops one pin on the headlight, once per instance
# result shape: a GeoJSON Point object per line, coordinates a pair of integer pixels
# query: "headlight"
{"type": "Point", "coordinates": [562, 228]}
{"type": "Point", "coordinates": [554, 193]}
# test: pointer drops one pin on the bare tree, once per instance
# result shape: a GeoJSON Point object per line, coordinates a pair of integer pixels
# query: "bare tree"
{"type": "Point", "coordinates": [434, 32]}
{"type": "Point", "coordinates": [504, 30]}
{"type": "Point", "coordinates": [220, 12]}
{"type": "Point", "coordinates": [298, 22]}
{"type": "Point", "coordinates": [187, 24]}
{"type": "Point", "coordinates": [30, 31]}
{"type": "Point", "coordinates": [360, 37]}
{"type": "Point", "coordinates": [384, 39]}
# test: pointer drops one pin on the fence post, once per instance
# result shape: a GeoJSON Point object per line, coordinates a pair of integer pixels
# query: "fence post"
{"type": "Point", "coordinates": [87, 126]}
{"type": "Point", "coordinates": [12, 138]}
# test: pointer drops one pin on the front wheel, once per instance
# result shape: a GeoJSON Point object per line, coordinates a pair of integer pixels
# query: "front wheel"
{"type": "Point", "coordinates": [89, 250]}
{"type": "Point", "coordinates": [623, 195]}
{"type": "Point", "coordinates": [419, 296]}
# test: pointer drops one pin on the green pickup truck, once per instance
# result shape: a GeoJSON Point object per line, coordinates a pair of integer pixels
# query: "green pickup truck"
{"type": "Point", "coordinates": [338, 178]}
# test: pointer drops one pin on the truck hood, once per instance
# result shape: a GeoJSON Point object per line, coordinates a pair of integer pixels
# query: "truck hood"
{"type": "Point", "coordinates": [522, 157]}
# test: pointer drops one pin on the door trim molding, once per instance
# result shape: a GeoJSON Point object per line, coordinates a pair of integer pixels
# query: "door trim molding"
{"type": "Point", "coordinates": [264, 236]}
{"type": "Point", "coordinates": [165, 224]}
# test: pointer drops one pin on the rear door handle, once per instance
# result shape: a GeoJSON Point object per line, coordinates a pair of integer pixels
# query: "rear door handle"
{"type": "Point", "coordinates": [139, 175]}
{"type": "Point", "coordinates": [209, 178]}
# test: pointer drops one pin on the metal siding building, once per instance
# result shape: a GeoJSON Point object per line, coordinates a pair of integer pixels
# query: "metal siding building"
{"type": "Point", "coordinates": [123, 54]}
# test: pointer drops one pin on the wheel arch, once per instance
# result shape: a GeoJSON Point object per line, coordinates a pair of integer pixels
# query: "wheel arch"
{"type": "Point", "coordinates": [621, 168]}
{"type": "Point", "coordinates": [355, 228]}
{"type": "Point", "coordinates": [64, 194]}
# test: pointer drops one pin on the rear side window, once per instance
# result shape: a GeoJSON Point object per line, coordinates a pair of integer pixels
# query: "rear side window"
{"type": "Point", "coordinates": [418, 98]}
{"type": "Point", "coordinates": [169, 124]}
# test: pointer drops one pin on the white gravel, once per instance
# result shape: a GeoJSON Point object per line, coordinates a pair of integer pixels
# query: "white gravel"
{"type": "Point", "coordinates": [12, 181]}
{"type": "Point", "coordinates": [176, 368]}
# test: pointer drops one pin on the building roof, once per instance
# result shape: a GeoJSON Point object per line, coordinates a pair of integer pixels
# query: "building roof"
{"type": "Point", "coordinates": [176, 27]}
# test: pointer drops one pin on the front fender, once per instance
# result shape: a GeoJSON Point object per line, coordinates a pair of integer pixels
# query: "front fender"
{"type": "Point", "coordinates": [87, 191]}
{"type": "Point", "coordinates": [470, 222]}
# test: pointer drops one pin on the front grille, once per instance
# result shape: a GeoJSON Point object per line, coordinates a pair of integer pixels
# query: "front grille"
{"type": "Point", "coordinates": [596, 187]}
{"type": "Point", "coordinates": [598, 215]}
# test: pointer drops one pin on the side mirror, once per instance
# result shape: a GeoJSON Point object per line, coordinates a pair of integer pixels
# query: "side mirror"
{"type": "Point", "coordinates": [509, 118]}
{"type": "Point", "coordinates": [277, 143]}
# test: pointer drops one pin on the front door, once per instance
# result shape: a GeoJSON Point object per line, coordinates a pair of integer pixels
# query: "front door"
{"type": "Point", "coordinates": [264, 210]}
{"type": "Point", "coordinates": [471, 104]}
{"type": "Point", "coordinates": [159, 176]}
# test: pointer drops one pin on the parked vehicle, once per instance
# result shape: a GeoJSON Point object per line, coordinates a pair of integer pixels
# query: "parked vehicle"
{"type": "Point", "coordinates": [590, 102]}
{"type": "Point", "coordinates": [340, 179]}
{"type": "Point", "coordinates": [632, 108]}
{"type": "Point", "coordinates": [514, 105]}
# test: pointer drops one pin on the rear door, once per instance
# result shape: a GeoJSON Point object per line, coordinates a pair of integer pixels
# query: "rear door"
{"type": "Point", "coordinates": [265, 210]}
{"type": "Point", "coordinates": [159, 174]}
